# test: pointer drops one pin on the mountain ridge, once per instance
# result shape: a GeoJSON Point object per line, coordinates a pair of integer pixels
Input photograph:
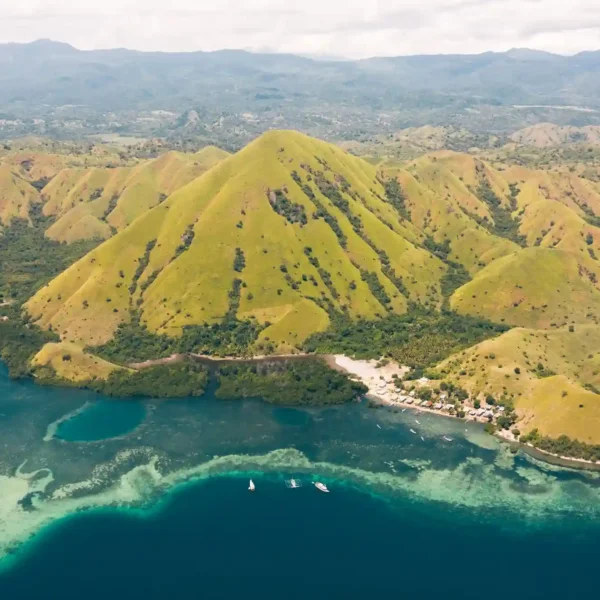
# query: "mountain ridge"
{"type": "Point", "coordinates": [260, 169]}
{"type": "Point", "coordinates": [86, 86]}
{"type": "Point", "coordinates": [293, 245]}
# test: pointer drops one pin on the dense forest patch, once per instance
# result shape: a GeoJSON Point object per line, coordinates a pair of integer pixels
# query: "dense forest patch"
{"type": "Point", "coordinates": [419, 338]}
{"type": "Point", "coordinates": [301, 382]}
{"type": "Point", "coordinates": [28, 259]}
{"type": "Point", "coordinates": [134, 342]}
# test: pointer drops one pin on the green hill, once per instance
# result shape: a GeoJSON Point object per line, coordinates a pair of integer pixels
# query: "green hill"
{"type": "Point", "coordinates": [96, 202]}
{"type": "Point", "coordinates": [290, 237]}
{"type": "Point", "coordinates": [286, 233]}
{"type": "Point", "coordinates": [16, 196]}
{"type": "Point", "coordinates": [291, 231]}
{"type": "Point", "coordinates": [551, 378]}
{"type": "Point", "coordinates": [535, 287]}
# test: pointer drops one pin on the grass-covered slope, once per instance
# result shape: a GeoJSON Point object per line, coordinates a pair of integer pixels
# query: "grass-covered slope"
{"type": "Point", "coordinates": [69, 362]}
{"type": "Point", "coordinates": [528, 239]}
{"type": "Point", "coordinates": [16, 196]}
{"type": "Point", "coordinates": [96, 202]}
{"type": "Point", "coordinates": [552, 378]}
{"type": "Point", "coordinates": [534, 287]}
{"type": "Point", "coordinates": [287, 232]}
{"type": "Point", "coordinates": [443, 199]}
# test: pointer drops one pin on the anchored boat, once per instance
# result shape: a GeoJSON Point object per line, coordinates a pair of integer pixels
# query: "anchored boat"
{"type": "Point", "coordinates": [251, 487]}
{"type": "Point", "coordinates": [321, 487]}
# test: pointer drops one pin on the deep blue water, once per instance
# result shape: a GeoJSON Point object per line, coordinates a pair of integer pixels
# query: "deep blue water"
{"type": "Point", "coordinates": [406, 517]}
{"type": "Point", "coordinates": [216, 540]}
{"type": "Point", "coordinates": [102, 419]}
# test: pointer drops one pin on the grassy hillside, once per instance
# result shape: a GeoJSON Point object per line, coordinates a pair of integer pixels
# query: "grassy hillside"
{"type": "Point", "coordinates": [545, 135]}
{"type": "Point", "coordinates": [291, 231]}
{"type": "Point", "coordinates": [529, 239]}
{"type": "Point", "coordinates": [70, 362]}
{"type": "Point", "coordinates": [293, 244]}
{"type": "Point", "coordinates": [16, 196]}
{"type": "Point", "coordinates": [287, 233]}
{"type": "Point", "coordinates": [97, 202]}
{"type": "Point", "coordinates": [552, 378]}
{"type": "Point", "coordinates": [535, 287]}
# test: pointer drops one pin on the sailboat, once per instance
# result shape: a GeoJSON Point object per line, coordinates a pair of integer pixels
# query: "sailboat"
{"type": "Point", "coordinates": [251, 487]}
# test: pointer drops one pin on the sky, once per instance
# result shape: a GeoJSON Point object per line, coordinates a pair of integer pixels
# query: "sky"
{"type": "Point", "coordinates": [333, 28]}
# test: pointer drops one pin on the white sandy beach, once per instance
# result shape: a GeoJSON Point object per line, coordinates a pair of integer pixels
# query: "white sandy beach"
{"type": "Point", "coordinates": [368, 371]}
{"type": "Point", "coordinates": [379, 380]}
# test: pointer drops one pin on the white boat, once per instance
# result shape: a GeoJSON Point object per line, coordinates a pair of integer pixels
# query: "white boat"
{"type": "Point", "coordinates": [413, 431]}
{"type": "Point", "coordinates": [447, 439]}
{"type": "Point", "coordinates": [403, 410]}
{"type": "Point", "coordinates": [293, 484]}
{"type": "Point", "coordinates": [417, 422]}
{"type": "Point", "coordinates": [321, 487]}
{"type": "Point", "coordinates": [422, 438]}
{"type": "Point", "coordinates": [379, 426]}
{"type": "Point", "coordinates": [251, 487]}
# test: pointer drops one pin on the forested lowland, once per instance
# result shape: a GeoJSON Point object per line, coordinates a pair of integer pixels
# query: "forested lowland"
{"type": "Point", "coordinates": [177, 380]}
{"type": "Point", "coordinates": [308, 382]}
{"type": "Point", "coordinates": [29, 259]}
{"type": "Point", "coordinates": [418, 339]}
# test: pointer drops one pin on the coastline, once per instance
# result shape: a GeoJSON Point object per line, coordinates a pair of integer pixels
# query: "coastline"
{"type": "Point", "coordinates": [345, 364]}
{"type": "Point", "coordinates": [371, 375]}
{"type": "Point", "coordinates": [382, 390]}
{"type": "Point", "coordinates": [556, 459]}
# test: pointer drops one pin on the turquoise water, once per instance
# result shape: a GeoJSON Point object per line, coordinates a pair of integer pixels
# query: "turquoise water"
{"type": "Point", "coordinates": [163, 509]}
{"type": "Point", "coordinates": [102, 419]}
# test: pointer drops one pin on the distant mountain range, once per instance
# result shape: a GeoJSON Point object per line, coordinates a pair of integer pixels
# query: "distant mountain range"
{"type": "Point", "coordinates": [47, 78]}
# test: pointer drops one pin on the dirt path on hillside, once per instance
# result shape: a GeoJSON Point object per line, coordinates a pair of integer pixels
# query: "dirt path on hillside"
{"type": "Point", "coordinates": [175, 358]}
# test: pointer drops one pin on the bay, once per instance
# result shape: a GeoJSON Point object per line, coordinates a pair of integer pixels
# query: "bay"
{"type": "Point", "coordinates": [163, 509]}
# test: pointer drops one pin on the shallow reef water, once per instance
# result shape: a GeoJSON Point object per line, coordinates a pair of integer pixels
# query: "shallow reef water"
{"type": "Point", "coordinates": [167, 481]}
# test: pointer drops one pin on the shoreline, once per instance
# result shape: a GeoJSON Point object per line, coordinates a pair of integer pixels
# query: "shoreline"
{"type": "Point", "coordinates": [580, 464]}
{"type": "Point", "coordinates": [363, 371]}
{"type": "Point", "coordinates": [374, 377]}
{"type": "Point", "coordinates": [333, 361]}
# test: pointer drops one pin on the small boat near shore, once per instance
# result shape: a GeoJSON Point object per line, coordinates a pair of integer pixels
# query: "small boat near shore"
{"type": "Point", "coordinates": [321, 487]}
{"type": "Point", "coordinates": [413, 431]}
{"type": "Point", "coordinates": [251, 487]}
{"type": "Point", "coordinates": [447, 439]}
{"type": "Point", "coordinates": [293, 484]}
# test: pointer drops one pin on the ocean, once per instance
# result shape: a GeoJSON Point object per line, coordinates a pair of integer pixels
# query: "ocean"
{"type": "Point", "coordinates": [161, 508]}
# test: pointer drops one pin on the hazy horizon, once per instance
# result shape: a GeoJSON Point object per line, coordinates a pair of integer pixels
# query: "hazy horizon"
{"type": "Point", "coordinates": [321, 28]}
{"type": "Point", "coordinates": [299, 54]}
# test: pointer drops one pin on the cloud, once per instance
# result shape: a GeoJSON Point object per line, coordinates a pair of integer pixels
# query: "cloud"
{"type": "Point", "coordinates": [351, 28]}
